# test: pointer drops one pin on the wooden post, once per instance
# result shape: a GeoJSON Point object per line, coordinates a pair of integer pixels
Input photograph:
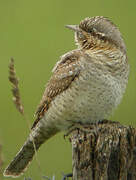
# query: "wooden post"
{"type": "Point", "coordinates": [104, 151]}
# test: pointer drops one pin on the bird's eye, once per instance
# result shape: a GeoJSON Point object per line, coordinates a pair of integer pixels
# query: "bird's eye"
{"type": "Point", "coordinates": [90, 30]}
{"type": "Point", "coordinates": [80, 35]}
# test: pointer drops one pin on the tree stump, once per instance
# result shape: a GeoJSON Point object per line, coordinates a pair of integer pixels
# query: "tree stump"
{"type": "Point", "coordinates": [104, 151]}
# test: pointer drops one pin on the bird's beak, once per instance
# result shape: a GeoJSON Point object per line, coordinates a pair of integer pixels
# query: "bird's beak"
{"type": "Point", "coordinates": [73, 27]}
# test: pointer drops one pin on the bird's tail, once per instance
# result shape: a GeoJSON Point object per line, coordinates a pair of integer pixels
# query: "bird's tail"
{"type": "Point", "coordinates": [19, 164]}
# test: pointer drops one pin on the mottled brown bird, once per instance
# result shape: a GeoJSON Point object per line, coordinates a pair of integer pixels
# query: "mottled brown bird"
{"type": "Point", "coordinates": [87, 84]}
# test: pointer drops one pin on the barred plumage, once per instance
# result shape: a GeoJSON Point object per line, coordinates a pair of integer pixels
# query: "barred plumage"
{"type": "Point", "coordinates": [87, 84]}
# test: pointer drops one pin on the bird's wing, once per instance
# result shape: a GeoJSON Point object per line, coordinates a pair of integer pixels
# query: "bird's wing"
{"type": "Point", "coordinates": [66, 70]}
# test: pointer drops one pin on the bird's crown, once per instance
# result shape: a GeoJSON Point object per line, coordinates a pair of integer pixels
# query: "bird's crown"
{"type": "Point", "coordinates": [100, 28]}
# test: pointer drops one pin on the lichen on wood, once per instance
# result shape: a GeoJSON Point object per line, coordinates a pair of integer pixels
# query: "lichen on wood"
{"type": "Point", "coordinates": [104, 151]}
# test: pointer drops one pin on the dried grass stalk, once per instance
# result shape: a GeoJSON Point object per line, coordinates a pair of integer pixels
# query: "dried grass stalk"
{"type": "Point", "coordinates": [15, 88]}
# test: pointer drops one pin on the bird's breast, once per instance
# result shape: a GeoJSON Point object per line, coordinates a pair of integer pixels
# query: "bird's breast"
{"type": "Point", "coordinates": [91, 97]}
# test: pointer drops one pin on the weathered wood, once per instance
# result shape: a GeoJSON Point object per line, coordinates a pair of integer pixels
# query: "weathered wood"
{"type": "Point", "coordinates": [104, 151]}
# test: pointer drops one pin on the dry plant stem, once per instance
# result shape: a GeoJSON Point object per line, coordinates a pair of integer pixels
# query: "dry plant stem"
{"type": "Point", "coordinates": [15, 88]}
{"type": "Point", "coordinates": [104, 151]}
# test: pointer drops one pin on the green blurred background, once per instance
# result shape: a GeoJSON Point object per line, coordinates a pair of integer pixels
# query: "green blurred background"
{"type": "Point", "coordinates": [33, 33]}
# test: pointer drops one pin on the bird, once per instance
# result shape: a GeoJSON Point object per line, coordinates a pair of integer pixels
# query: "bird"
{"type": "Point", "coordinates": [86, 86]}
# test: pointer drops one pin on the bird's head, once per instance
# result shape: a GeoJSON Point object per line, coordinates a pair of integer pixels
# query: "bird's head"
{"type": "Point", "coordinates": [97, 33]}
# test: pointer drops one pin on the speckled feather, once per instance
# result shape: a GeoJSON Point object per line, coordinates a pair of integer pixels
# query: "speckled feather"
{"type": "Point", "coordinates": [66, 70]}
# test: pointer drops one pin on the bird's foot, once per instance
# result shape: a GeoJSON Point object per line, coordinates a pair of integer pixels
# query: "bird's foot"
{"type": "Point", "coordinates": [77, 126]}
{"type": "Point", "coordinates": [105, 121]}
{"type": "Point", "coordinates": [86, 127]}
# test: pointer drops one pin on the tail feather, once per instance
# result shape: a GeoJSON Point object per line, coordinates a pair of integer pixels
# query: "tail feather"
{"type": "Point", "coordinates": [19, 164]}
{"type": "Point", "coordinates": [21, 160]}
